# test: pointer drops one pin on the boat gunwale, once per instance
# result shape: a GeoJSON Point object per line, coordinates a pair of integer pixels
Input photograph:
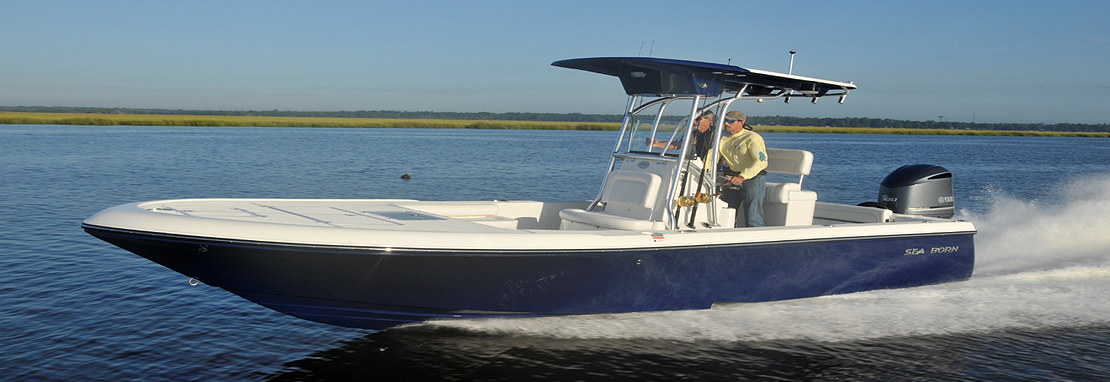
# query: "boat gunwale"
{"type": "Point", "coordinates": [415, 251]}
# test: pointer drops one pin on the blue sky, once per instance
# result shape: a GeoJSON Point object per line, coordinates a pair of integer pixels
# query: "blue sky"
{"type": "Point", "coordinates": [987, 61]}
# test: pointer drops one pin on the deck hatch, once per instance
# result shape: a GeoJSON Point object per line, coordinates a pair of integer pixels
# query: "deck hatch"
{"type": "Point", "coordinates": [405, 215]}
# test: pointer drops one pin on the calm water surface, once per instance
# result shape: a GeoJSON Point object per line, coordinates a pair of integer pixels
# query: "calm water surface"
{"type": "Point", "coordinates": [75, 308]}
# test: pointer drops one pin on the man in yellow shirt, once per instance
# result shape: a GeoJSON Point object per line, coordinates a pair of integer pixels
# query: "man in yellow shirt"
{"type": "Point", "coordinates": [746, 155]}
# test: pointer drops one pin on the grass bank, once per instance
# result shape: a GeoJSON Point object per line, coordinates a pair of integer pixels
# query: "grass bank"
{"type": "Point", "coordinates": [203, 120]}
{"type": "Point", "coordinates": [228, 121]}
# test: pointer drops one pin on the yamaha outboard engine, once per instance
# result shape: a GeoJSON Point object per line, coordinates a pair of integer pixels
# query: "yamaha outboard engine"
{"type": "Point", "coordinates": [919, 189]}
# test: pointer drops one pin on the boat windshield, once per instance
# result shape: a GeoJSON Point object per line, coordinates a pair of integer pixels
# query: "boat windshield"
{"type": "Point", "coordinates": [658, 127]}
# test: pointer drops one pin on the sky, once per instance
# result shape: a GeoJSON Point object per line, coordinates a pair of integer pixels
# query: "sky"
{"type": "Point", "coordinates": [963, 61]}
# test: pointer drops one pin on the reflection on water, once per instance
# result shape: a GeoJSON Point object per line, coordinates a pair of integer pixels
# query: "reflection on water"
{"type": "Point", "coordinates": [436, 353]}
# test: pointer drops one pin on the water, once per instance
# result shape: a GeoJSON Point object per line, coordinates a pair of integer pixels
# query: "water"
{"type": "Point", "coordinates": [74, 307]}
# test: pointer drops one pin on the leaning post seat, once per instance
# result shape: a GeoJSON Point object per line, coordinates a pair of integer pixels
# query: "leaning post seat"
{"type": "Point", "coordinates": [786, 204]}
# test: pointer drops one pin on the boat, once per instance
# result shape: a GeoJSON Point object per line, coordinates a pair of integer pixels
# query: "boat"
{"type": "Point", "coordinates": [657, 237]}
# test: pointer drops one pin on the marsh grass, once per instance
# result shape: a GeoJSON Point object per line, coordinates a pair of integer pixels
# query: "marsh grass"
{"type": "Point", "coordinates": [228, 121]}
{"type": "Point", "coordinates": [218, 121]}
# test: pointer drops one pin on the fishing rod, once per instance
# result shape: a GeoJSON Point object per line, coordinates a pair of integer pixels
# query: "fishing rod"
{"type": "Point", "coordinates": [683, 200]}
{"type": "Point", "coordinates": [699, 197]}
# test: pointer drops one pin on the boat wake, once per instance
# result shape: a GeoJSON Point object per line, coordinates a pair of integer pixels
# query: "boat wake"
{"type": "Point", "coordinates": [1037, 266]}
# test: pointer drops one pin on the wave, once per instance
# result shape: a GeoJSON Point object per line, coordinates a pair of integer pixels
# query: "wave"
{"type": "Point", "coordinates": [1036, 266]}
{"type": "Point", "coordinates": [1024, 236]}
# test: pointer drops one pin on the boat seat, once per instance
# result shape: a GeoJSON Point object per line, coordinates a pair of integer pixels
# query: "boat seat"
{"type": "Point", "coordinates": [786, 204]}
{"type": "Point", "coordinates": [786, 161]}
{"type": "Point", "coordinates": [630, 194]}
{"type": "Point", "coordinates": [839, 213]}
{"type": "Point", "coordinates": [628, 199]}
{"type": "Point", "coordinates": [574, 219]}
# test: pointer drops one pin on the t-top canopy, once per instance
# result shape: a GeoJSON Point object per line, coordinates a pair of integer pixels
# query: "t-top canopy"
{"type": "Point", "coordinates": [647, 75]}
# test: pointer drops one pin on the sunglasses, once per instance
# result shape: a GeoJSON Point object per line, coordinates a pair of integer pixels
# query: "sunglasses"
{"type": "Point", "coordinates": [732, 120]}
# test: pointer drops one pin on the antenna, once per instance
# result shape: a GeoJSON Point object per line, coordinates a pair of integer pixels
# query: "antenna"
{"type": "Point", "coordinates": [791, 62]}
{"type": "Point", "coordinates": [652, 48]}
{"type": "Point", "coordinates": [791, 72]}
{"type": "Point", "coordinates": [641, 53]}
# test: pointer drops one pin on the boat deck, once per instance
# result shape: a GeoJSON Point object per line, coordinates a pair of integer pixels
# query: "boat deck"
{"type": "Point", "coordinates": [516, 225]}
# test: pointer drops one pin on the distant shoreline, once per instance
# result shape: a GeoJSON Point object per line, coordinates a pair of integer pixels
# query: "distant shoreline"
{"type": "Point", "coordinates": [21, 118]}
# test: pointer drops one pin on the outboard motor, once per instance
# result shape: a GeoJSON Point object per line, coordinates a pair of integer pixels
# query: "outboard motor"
{"type": "Point", "coordinates": [919, 189]}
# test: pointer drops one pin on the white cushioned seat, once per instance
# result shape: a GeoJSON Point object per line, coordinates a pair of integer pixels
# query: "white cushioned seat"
{"type": "Point", "coordinates": [574, 218]}
{"type": "Point", "coordinates": [780, 192]}
{"type": "Point", "coordinates": [787, 205]}
{"type": "Point", "coordinates": [628, 199]}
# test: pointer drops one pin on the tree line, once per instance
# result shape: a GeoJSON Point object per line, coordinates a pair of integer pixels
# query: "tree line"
{"type": "Point", "coordinates": [943, 125]}
{"type": "Point", "coordinates": [579, 117]}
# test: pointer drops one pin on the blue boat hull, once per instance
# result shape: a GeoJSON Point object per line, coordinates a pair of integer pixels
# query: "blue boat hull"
{"type": "Point", "coordinates": [378, 288]}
